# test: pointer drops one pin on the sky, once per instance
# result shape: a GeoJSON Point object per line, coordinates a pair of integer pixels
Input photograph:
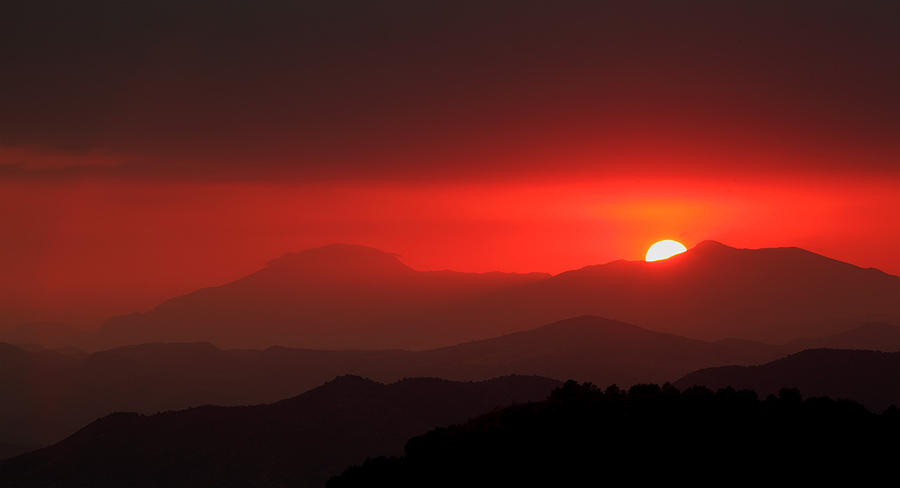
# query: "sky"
{"type": "Point", "coordinates": [151, 148]}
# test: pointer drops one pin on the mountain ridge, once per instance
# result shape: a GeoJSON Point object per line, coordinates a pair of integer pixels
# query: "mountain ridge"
{"type": "Point", "coordinates": [356, 297]}
{"type": "Point", "coordinates": [338, 423]}
{"type": "Point", "coordinates": [51, 393]}
{"type": "Point", "coordinates": [868, 377]}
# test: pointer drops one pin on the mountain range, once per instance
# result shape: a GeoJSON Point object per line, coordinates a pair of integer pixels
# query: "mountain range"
{"type": "Point", "coordinates": [355, 297]}
{"type": "Point", "coordinates": [297, 442]}
{"type": "Point", "coordinates": [712, 315]}
{"type": "Point", "coordinates": [303, 440]}
{"type": "Point", "coordinates": [871, 378]}
{"type": "Point", "coordinates": [51, 393]}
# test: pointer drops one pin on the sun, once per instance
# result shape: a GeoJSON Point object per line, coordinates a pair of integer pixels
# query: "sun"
{"type": "Point", "coordinates": [664, 250]}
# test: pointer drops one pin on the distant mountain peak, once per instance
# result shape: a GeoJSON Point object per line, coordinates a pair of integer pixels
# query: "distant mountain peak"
{"type": "Point", "coordinates": [712, 246]}
{"type": "Point", "coordinates": [351, 379]}
{"type": "Point", "coordinates": [339, 386]}
{"type": "Point", "coordinates": [336, 251]}
{"type": "Point", "coordinates": [340, 256]}
{"type": "Point", "coordinates": [349, 382]}
{"type": "Point", "coordinates": [587, 321]}
{"type": "Point", "coordinates": [350, 296]}
{"type": "Point", "coordinates": [168, 347]}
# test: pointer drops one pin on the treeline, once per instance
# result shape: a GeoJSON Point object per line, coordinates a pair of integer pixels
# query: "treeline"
{"type": "Point", "coordinates": [586, 436]}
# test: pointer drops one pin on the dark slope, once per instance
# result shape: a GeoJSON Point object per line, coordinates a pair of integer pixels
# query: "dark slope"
{"type": "Point", "coordinates": [869, 377]}
{"type": "Point", "coordinates": [296, 442]}
{"type": "Point", "coordinates": [583, 436]}
{"type": "Point", "coordinates": [10, 450]}
{"type": "Point", "coordinates": [49, 395]}
{"type": "Point", "coordinates": [34, 396]}
{"type": "Point", "coordinates": [355, 297]}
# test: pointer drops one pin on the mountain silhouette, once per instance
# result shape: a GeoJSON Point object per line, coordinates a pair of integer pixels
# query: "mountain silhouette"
{"type": "Point", "coordinates": [42, 335]}
{"type": "Point", "coordinates": [336, 296]}
{"type": "Point", "coordinates": [588, 348]}
{"type": "Point", "coordinates": [354, 297]}
{"type": "Point", "coordinates": [49, 394]}
{"type": "Point", "coordinates": [873, 336]}
{"type": "Point", "coordinates": [714, 291]}
{"type": "Point", "coordinates": [582, 436]}
{"type": "Point", "coordinates": [296, 442]}
{"type": "Point", "coordinates": [869, 377]}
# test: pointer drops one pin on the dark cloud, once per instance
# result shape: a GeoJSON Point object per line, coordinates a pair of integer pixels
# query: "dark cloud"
{"type": "Point", "coordinates": [222, 89]}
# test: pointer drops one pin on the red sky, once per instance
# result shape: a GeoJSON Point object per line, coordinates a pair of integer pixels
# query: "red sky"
{"type": "Point", "coordinates": [150, 149]}
{"type": "Point", "coordinates": [87, 250]}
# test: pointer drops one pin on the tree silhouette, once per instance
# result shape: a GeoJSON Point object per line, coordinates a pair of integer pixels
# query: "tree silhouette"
{"type": "Point", "coordinates": [647, 434]}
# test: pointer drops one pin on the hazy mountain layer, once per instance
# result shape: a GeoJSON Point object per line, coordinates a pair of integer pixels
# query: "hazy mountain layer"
{"type": "Point", "coordinates": [49, 394]}
{"type": "Point", "coordinates": [356, 297]}
{"type": "Point", "coordinates": [869, 377]}
{"type": "Point", "coordinates": [297, 442]}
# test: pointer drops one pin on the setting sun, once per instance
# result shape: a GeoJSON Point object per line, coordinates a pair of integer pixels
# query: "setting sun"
{"type": "Point", "coordinates": [664, 250]}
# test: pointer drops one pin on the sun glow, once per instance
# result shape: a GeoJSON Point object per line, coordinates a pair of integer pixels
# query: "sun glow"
{"type": "Point", "coordinates": [664, 250]}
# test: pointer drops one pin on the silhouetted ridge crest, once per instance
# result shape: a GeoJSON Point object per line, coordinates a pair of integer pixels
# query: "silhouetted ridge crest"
{"type": "Point", "coordinates": [168, 347]}
{"type": "Point", "coordinates": [587, 323]}
{"type": "Point", "coordinates": [869, 377]}
{"type": "Point", "coordinates": [6, 348]}
{"type": "Point", "coordinates": [347, 296]}
{"type": "Point", "coordinates": [877, 336]}
{"type": "Point", "coordinates": [709, 246]}
{"type": "Point", "coordinates": [298, 442]}
{"type": "Point", "coordinates": [339, 257]}
{"type": "Point", "coordinates": [342, 390]}
{"type": "Point", "coordinates": [348, 381]}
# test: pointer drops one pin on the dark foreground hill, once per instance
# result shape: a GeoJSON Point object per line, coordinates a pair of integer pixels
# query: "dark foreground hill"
{"type": "Point", "coordinates": [296, 442]}
{"type": "Point", "coordinates": [869, 377]}
{"type": "Point", "coordinates": [47, 395]}
{"type": "Point", "coordinates": [650, 435]}
{"type": "Point", "coordinates": [354, 297]}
